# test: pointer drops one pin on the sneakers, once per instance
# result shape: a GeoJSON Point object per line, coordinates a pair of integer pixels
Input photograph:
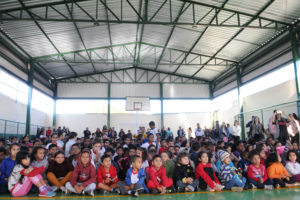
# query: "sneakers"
{"type": "Point", "coordinates": [277, 186]}
{"type": "Point", "coordinates": [171, 189]}
{"type": "Point", "coordinates": [63, 189]}
{"type": "Point", "coordinates": [154, 191]}
{"type": "Point", "coordinates": [91, 193]}
{"type": "Point", "coordinates": [67, 191]}
{"type": "Point", "coordinates": [181, 189]}
{"type": "Point", "coordinates": [47, 194]}
{"type": "Point", "coordinates": [118, 190]}
{"type": "Point", "coordinates": [52, 189]}
{"type": "Point", "coordinates": [253, 186]}
{"type": "Point", "coordinates": [134, 193]}
{"type": "Point", "coordinates": [236, 189]}
{"type": "Point", "coordinates": [269, 187]}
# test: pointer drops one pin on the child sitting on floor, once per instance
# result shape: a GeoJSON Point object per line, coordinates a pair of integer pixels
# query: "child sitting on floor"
{"type": "Point", "coordinates": [23, 176]}
{"type": "Point", "coordinates": [107, 177]}
{"type": "Point", "coordinates": [277, 172]}
{"type": "Point", "coordinates": [158, 181]}
{"type": "Point", "coordinates": [184, 177]}
{"type": "Point", "coordinates": [206, 175]}
{"type": "Point", "coordinates": [83, 178]}
{"type": "Point", "coordinates": [134, 183]}
{"type": "Point", "coordinates": [292, 166]}
{"type": "Point", "coordinates": [59, 171]}
{"type": "Point", "coordinates": [257, 173]}
{"type": "Point", "coordinates": [229, 175]}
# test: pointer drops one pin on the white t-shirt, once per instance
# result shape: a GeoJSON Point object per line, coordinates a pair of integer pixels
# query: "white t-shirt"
{"type": "Point", "coordinates": [199, 133]}
{"type": "Point", "coordinates": [236, 130]}
{"type": "Point", "coordinates": [58, 144]}
{"type": "Point", "coordinates": [154, 132]}
{"type": "Point", "coordinates": [98, 163]}
{"type": "Point", "coordinates": [146, 145]}
{"type": "Point", "coordinates": [68, 146]}
{"type": "Point", "coordinates": [134, 178]}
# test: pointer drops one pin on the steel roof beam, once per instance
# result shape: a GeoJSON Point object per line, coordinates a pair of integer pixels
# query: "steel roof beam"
{"type": "Point", "coordinates": [181, 11]}
{"type": "Point", "coordinates": [142, 22]}
{"type": "Point", "coordinates": [234, 36]}
{"type": "Point", "coordinates": [199, 38]}
{"type": "Point", "coordinates": [39, 26]}
{"type": "Point", "coordinates": [136, 35]}
{"type": "Point", "coordinates": [80, 37]}
{"type": "Point", "coordinates": [127, 44]}
{"type": "Point", "coordinates": [108, 28]}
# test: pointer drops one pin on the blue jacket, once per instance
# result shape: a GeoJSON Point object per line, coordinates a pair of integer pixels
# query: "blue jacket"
{"type": "Point", "coordinates": [7, 166]}
{"type": "Point", "coordinates": [141, 176]}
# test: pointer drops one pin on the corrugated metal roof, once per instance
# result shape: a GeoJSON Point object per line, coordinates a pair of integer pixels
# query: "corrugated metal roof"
{"type": "Point", "coordinates": [66, 38]}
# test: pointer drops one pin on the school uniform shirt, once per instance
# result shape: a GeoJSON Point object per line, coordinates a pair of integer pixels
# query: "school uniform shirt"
{"type": "Point", "coordinates": [102, 175]}
{"type": "Point", "coordinates": [257, 173]}
{"type": "Point", "coordinates": [205, 173]}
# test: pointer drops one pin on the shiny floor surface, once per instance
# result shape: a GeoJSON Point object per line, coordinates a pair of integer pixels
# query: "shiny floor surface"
{"type": "Point", "coordinates": [278, 194]}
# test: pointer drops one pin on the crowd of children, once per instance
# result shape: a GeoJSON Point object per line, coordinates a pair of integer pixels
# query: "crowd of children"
{"type": "Point", "coordinates": [149, 162]}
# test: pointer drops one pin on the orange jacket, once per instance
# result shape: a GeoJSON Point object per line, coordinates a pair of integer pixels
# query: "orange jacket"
{"type": "Point", "coordinates": [276, 170]}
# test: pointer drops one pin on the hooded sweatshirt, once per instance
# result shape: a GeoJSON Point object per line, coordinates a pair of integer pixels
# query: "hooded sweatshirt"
{"type": "Point", "coordinates": [84, 175]}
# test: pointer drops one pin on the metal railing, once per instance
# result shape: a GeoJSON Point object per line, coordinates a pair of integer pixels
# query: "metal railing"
{"type": "Point", "coordinates": [266, 113]}
{"type": "Point", "coordinates": [10, 128]}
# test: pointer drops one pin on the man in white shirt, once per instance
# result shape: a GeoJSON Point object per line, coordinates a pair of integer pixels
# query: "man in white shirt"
{"type": "Point", "coordinates": [199, 131]}
{"type": "Point", "coordinates": [236, 129]}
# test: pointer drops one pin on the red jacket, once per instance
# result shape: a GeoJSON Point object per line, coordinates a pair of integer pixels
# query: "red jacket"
{"type": "Point", "coordinates": [256, 173]}
{"type": "Point", "coordinates": [159, 177]}
{"type": "Point", "coordinates": [102, 175]}
{"type": "Point", "coordinates": [162, 149]}
{"type": "Point", "coordinates": [200, 172]}
{"type": "Point", "coordinates": [85, 175]}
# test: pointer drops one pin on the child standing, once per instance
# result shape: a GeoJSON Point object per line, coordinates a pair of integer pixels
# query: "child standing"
{"type": "Point", "coordinates": [83, 178]}
{"type": "Point", "coordinates": [257, 173]}
{"type": "Point", "coordinates": [107, 177]}
{"type": "Point", "coordinates": [292, 166]}
{"type": "Point", "coordinates": [23, 176]}
{"type": "Point", "coordinates": [206, 175]}
{"type": "Point", "coordinates": [277, 172]}
{"type": "Point", "coordinates": [158, 181]}
{"type": "Point", "coordinates": [7, 166]}
{"type": "Point", "coordinates": [184, 177]}
{"type": "Point", "coordinates": [59, 171]}
{"type": "Point", "coordinates": [229, 175]}
{"type": "Point", "coordinates": [135, 178]}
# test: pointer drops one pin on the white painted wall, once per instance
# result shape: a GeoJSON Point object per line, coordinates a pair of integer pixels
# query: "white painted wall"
{"type": "Point", "coordinates": [285, 92]}
{"type": "Point", "coordinates": [78, 122]}
{"type": "Point", "coordinates": [15, 111]}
